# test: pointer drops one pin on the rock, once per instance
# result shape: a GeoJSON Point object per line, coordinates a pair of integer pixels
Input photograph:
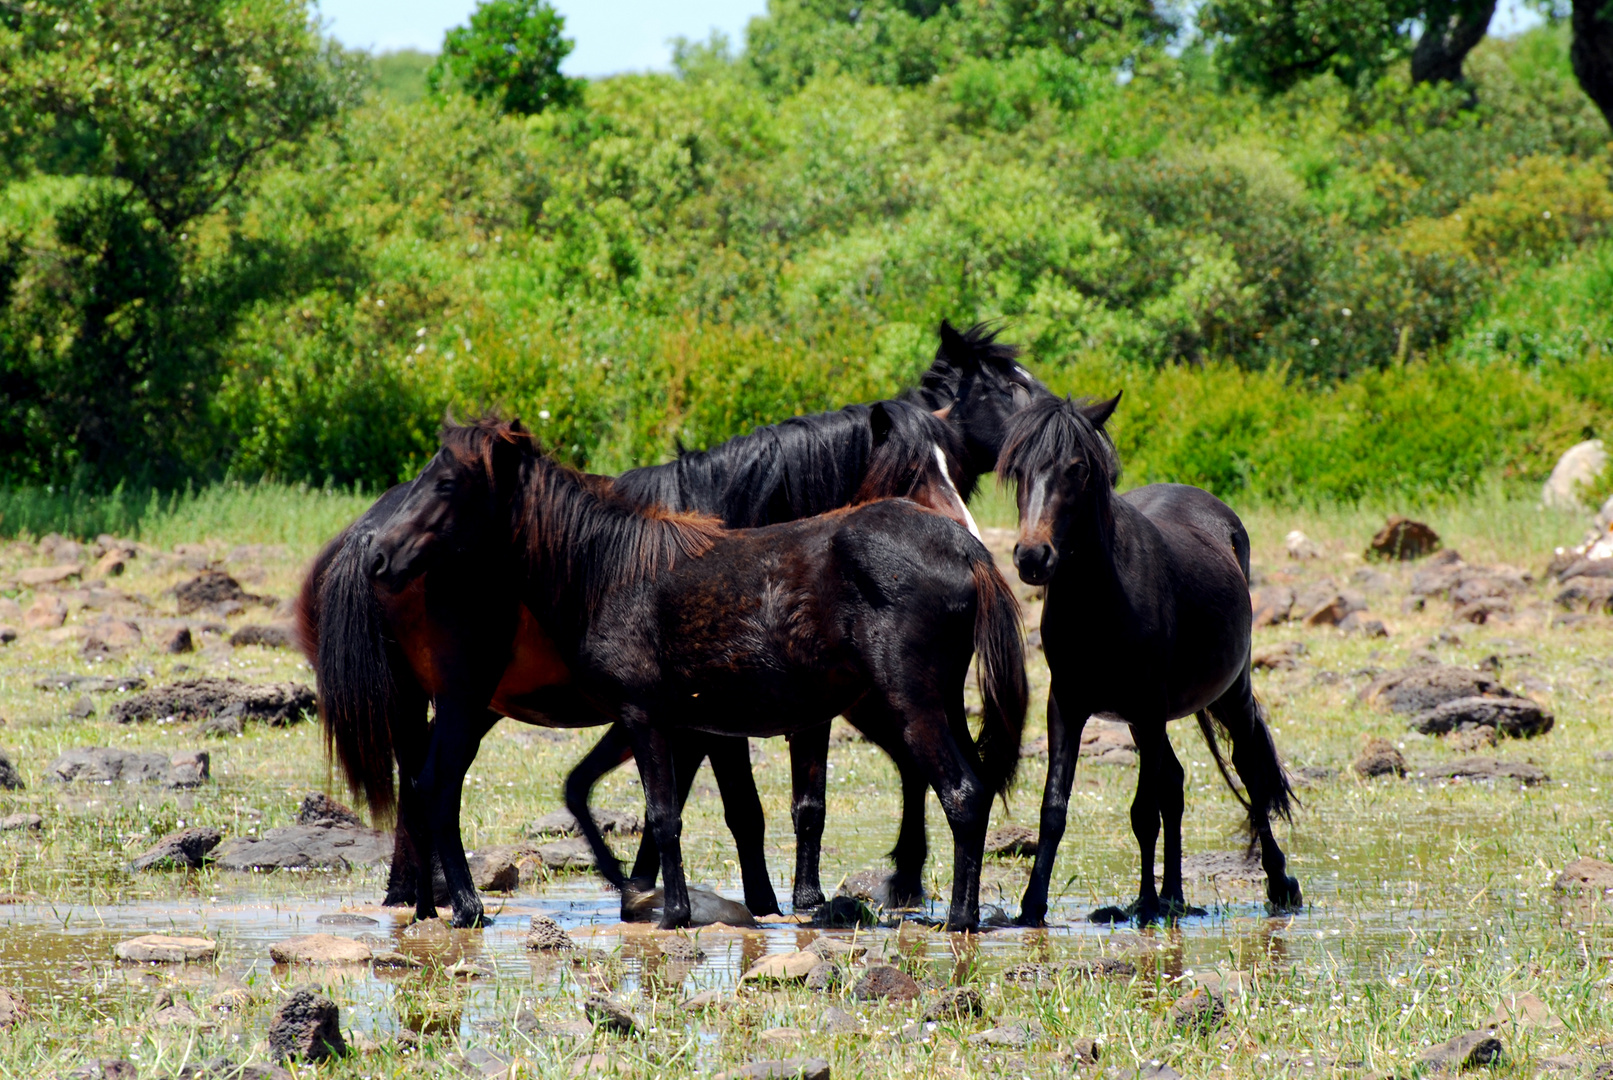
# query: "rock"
{"type": "Point", "coordinates": [1086, 1051]}
{"type": "Point", "coordinates": [836, 1021]}
{"type": "Point", "coordinates": [1488, 768]}
{"type": "Point", "coordinates": [109, 565]}
{"type": "Point", "coordinates": [320, 809]}
{"type": "Point", "coordinates": [1422, 687]}
{"type": "Point", "coordinates": [1271, 604]}
{"type": "Point", "coordinates": [165, 949]}
{"type": "Point", "coordinates": [346, 918]}
{"type": "Point", "coordinates": [1580, 466]}
{"type": "Point", "coordinates": [269, 635]}
{"type": "Point", "coordinates": [1519, 718]}
{"type": "Point", "coordinates": [185, 849]}
{"type": "Point", "coordinates": [680, 948]}
{"type": "Point", "coordinates": [34, 577]}
{"type": "Point", "coordinates": [13, 1009]}
{"type": "Point", "coordinates": [1356, 622]}
{"type": "Point", "coordinates": [826, 975]}
{"type": "Point", "coordinates": [105, 765]}
{"type": "Point", "coordinates": [82, 709]}
{"type": "Point", "coordinates": [795, 1068]}
{"type": "Point", "coordinates": [1523, 1011]}
{"type": "Point", "coordinates": [1586, 875]}
{"type": "Point", "coordinates": [1005, 1036]}
{"type": "Point", "coordinates": [306, 1027]}
{"type": "Point", "coordinates": [705, 907]}
{"type": "Point", "coordinates": [1198, 1010]}
{"type": "Point", "coordinates": [1470, 740]}
{"type": "Point", "coordinates": [1587, 593]}
{"type": "Point", "coordinates": [564, 855]}
{"type": "Point", "coordinates": [320, 949]}
{"type": "Point", "coordinates": [176, 641]}
{"type": "Point", "coordinates": [278, 704]}
{"type": "Point", "coordinates": [956, 1003]}
{"type": "Point", "coordinates": [883, 981]}
{"type": "Point", "coordinates": [111, 636]}
{"type": "Point", "coordinates": [1011, 841]}
{"type": "Point", "coordinates": [172, 1011]}
{"type": "Point", "coordinates": [90, 684]}
{"type": "Point", "coordinates": [222, 727]}
{"type": "Point", "coordinates": [212, 589]}
{"type": "Point", "coordinates": [1332, 611]}
{"type": "Point", "coordinates": [13, 822]}
{"type": "Point", "coordinates": [1301, 546]}
{"type": "Point", "coordinates": [609, 1015]}
{"type": "Point", "coordinates": [561, 823]}
{"type": "Point", "coordinates": [1469, 1051]}
{"type": "Point", "coordinates": [45, 613]}
{"type": "Point", "coordinates": [10, 778]}
{"type": "Point", "coordinates": [1239, 866]}
{"type": "Point", "coordinates": [1379, 757]}
{"type": "Point", "coordinates": [1108, 742]}
{"type": "Point", "coordinates": [843, 913]}
{"type": "Point", "coordinates": [1403, 539]}
{"type": "Point", "coordinates": [304, 847]}
{"type": "Point", "coordinates": [494, 871]}
{"type": "Point", "coordinates": [781, 1036]}
{"type": "Point", "coordinates": [782, 967]}
{"type": "Point", "coordinates": [870, 886]}
{"type": "Point", "coordinates": [548, 936]}
{"type": "Point", "coordinates": [8, 634]}
{"type": "Point", "coordinates": [706, 999]}
{"type": "Point", "coordinates": [834, 949]}
{"type": "Point", "coordinates": [1279, 656]}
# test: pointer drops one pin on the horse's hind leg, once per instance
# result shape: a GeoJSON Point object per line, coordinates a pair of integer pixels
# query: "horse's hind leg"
{"type": "Point", "coordinates": [1145, 812]}
{"type": "Point", "coordinates": [1063, 751]}
{"type": "Point", "coordinates": [809, 780]}
{"type": "Point", "coordinates": [912, 845]}
{"type": "Point", "coordinates": [1171, 804]}
{"type": "Point", "coordinates": [742, 810]}
{"type": "Point", "coordinates": [1254, 758]}
{"type": "Point", "coordinates": [662, 807]}
{"type": "Point", "coordinates": [612, 750]}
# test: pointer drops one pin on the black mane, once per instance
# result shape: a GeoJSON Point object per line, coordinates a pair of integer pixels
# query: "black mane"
{"type": "Point", "coordinates": [1053, 431]}
{"type": "Point", "coordinates": [976, 346]}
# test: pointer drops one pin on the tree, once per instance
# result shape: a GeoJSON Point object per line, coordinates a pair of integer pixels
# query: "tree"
{"type": "Point", "coordinates": [510, 55]}
{"type": "Point", "coordinates": [111, 321]}
{"type": "Point", "coordinates": [1592, 52]}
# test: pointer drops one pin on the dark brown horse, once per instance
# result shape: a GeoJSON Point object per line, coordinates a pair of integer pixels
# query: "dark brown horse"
{"type": "Point", "coordinates": [1147, 617]}
{"type": "Point", "coordinates": [672, 624]}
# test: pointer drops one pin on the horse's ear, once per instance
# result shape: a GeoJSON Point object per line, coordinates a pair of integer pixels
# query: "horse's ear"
{"type": "Point", "coordinates": [944, 414]}
{"type": "Point", "coordinates": [1098, 414]}
{"type": "Point", "coordinates": [880, 422]}
{"type": "Point", "coordinates": [955, 347]}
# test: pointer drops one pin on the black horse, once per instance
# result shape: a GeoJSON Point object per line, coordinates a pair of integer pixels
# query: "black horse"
{"type": "Point", "coordinates": [1147, 617]}
{"type": "Point", "coordinates": [799, 468]}
{"type": "Point", "coordinates": [673, 624]}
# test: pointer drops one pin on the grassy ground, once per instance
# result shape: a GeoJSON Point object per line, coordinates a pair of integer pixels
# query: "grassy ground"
{"type": "Point", "coordinates": [1429, 903]}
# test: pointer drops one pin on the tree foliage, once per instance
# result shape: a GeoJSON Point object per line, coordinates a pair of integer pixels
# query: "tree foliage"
{"type": "Point", "coordinates": [509, 55]}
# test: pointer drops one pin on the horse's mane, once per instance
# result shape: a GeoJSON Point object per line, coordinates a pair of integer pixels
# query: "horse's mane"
{"type": "Point", "coordinates": [1051, 431]}
{"type": "Point", "coordinates": [939, 385]}
{"type": "Point", "coordinates": [805, 466]}
{"type": "Point", "coordinates": [572, 523]}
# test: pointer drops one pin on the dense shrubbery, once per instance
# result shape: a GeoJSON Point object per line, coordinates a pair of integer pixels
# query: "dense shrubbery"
{"type": "Point", "coordinates": [1327, 293]}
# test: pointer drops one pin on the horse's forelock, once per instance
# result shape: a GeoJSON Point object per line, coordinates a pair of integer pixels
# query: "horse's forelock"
{"type": "Point", "coordinates": [473, 445]}
{"type": "Point", "coordinates": [1050, 431]}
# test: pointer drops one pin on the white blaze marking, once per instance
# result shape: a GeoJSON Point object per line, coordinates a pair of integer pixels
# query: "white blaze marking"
{"type": "Point", "coordinates": [968, 518]}
{"type": "Point", "coordinates": [1034, 504]}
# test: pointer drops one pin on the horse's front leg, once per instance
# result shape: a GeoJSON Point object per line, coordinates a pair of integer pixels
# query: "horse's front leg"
{"type": "Point", "coordinates": [1145, 812]}
{"type": "Point", "coordinates": [742, 810]}
{"type": "Point", "coordinates": [1063, 753]}
{"type": "Point", "coordinates": [912, 844]}
{"type": "Point", "coordinates": [610, 752]}
{"type": "Point", "coordinates": [927, 737]}
{"type": "Point", "coordinates": [809, 782]}
{"type": "Point", "coordinates": [662, 808]}
{"type": "Point", "coordinates": [455, 738]}
{"type": "Point", "coordinates": [1171, 806]}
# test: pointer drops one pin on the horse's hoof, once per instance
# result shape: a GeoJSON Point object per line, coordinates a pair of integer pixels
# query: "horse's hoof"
{"type": "Point", "coordinates": [1111, 914]}
{"type": "Point", "coordinates": [804, 902]}
{"type": "Point", "coordinates": [1289, 898]}
{"type": "Point", "coordinates": [1181, 909]}
{"type": "Point", "coordinates": [905, 895]}
{"type": "Point", "coordinates": [1034, 922]}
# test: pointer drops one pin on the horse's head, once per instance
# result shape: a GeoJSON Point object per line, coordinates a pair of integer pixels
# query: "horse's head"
{"type": "Point", "coordinates": [459, 504]}
{"type": "Point", "coordinates": [1062, 462]}
{"type": "Point", "coordinates": [978, 384]}
{"type": "Point", "coordinates": [916, 455]}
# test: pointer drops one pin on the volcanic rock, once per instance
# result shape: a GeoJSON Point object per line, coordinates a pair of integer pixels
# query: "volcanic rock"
{"type": "Point", "coordinates": [494, 871]}
{"type": "Point", "coordinates": [561, 823]}
{"type": "Point", "coordinates": [320, 949]}
{"type": "Point", "coordinates": [843, 913]}
{"type": "Point", "coordinates": [36, 576]}
{"type": "Point", "coordinates": [1403, 539]}
{"type": "Point", "coordinates": [956, 1003]}
{"type": "Point", "coordinates": [165, 949]}
{"type": "Point", "coordinates": [1379, 757]}
{"type": "Point", "coordinates": [782, 967]}
{"type": "Point", "coordinates": [883, 981]}
{"type": "Point", "coordinates": [105, 765]}
{"type": "Point", "coordinates": [562, 855]}
{"type": "Point", "coordinates": [177, 640]}
{"type": "Point", "coordinates": [609, 1015]}
{"type": "Point", "coordinates": [305, 847]}
{"type": "Point", "coordinates": [90, 684]}
{"type": "Point", "coordinates": [82, 709]}
{"type": "Point", "coordinates": [1586, 875]}
{"type": "Point", "coordinates": [320, 809]}
{"type": "Point", "coordinates": [679, 948]}
{"type": "Point", "coordinates": [269, 635]}
{"type": "Point", "coordinates": [13, 1009]}
{"type": "Point", "coordinates": [1278, 656]}
{"type": "Point", "coordinates": [1488, 768]}
{"type": "Point", "coordinates": [1469, 1051]}
{"type": "Point", "coordinates": [1198, 1010]}
{"type": "Point", "coordinates": [1415, 689]}
{"type": "Point", "coordinates": [212, 588]}
{"type": "Point", "coordinates": [306, 1027]}
{"type": "Point", "coordinates": [10, 778]}
{"type": "Point", "coordinates": [45, 613]}
{"type": "Point", "coordinates": [1519, 718]}
{"type": "Point", "coordinates": [1332, 611]}
{"type": "Point", "coordinates": [1004, 1036]}
{"type": "Point", "coordinates": [825, 976]}
{"type": "Point", "coordinates": [278, 704]}
{"type": "Point", "coordinates": [1271, 604]}
{"type": "Point", "coordinates": [1108, 742]}
{"type": "Point", "coordinates": [1010, 841]}
{"type": "Point", "coordinates": [185, 849]}
{"type": "Point", "coordinates": [110, 636]}
{"type": "Point", "coordinates": [705, 908]}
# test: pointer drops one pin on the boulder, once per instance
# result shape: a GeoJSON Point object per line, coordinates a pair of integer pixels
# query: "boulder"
{"type": "Point", "coordinates": [45, 613]}
{"type": "Point", "coordinates": [609, 1015]}
{"type": "Point", "coordinates": [1108, 742]}
{"type": "Point", "coordinates": [561, 823]}
{"type": "Point", "coordinates": [165, 949]}
{"type": "Point", "coordinates": [1519, 718]}
{"type": "Point", "coordinates": [320, 809]}
{"type": "Point", "coordinates": [1379, 757]}
{"type": "Point", "coordinates": [278, 704]}
{"type": "Point", "coordinates": [1488, 768]}
{"type": "Point", "coordinates": [176, 641]}
{"type": "Point", "coordinates": [111, 636]}
{"type": "Point", "coordinates": [268, 635]}
{"type": "Point", "coordinates": [1579, 467]}
{"type": "Point", "coordinates": [679, 948]}
{"type": "Point", "coordinates": [795, 1068]}
{"type": "Point", "coordinates": [705, 908]}
{"type": "Point", "coordinates": [826, 976]}
{"type": "Point", "coordinates": [1403, 539]}
{"type": "Point", "coordinates": [1333, 610]}
{"type": "Point", "coordinates": [1416, 689]}
{"type": "Point", "coordinates": [1271, 604]}
{"type": "Point", "coordinates": [1011, 841]}
{"type": "Point", "coordinates": [68, 682]}
{"type": "Point", "coordinates": [1278, 656]}
{"type": "Point", "coordinates": [564, 855]}
{"type": "Point", "coordinates": [306, 1027]}
{"type": "Point", "coordinates": [186, 849]}
{"type": "Point", "coordinates": [1586, 875]}
{"type": "Point", "coordinates": [494, 871]}
{"type": "Point", "coordinates": [1300, 546]}
{"type": "Point", "coordinates": [955, 1003]}
{"type": "Point", "coordinates": [889, 983]}
{"type": "Point", "coordinates": [1003, 1037]}
{"type": "Point", "coordinates": [1469, 1051]}
{"type": "Point", "coordinates": [1198, 1011]}
{"type": "Point", "coordinates": [10, 778]}
{"type": "Point", "coordinates": [13, 1009]}
{"type": "Point", "coordinates": [36, 576]}
{"type": "Point", "coordinates": [305, 847]}
{"type": "Point", "coordinates": [792, 967]}
{"type": "Point", "coordinates": [320, 949]}
{"type": "Point", "coordinates": [214, 590]}
{"type": "Point", "coordinates": [105, 765]}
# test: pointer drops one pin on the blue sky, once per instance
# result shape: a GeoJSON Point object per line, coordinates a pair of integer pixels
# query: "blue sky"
{"type": "Point", "coordinates": [611, 35]}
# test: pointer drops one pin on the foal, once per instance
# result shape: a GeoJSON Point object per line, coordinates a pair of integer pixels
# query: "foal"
{"type": "Point", "coordinates": [674, 625]}
{"type": "Point", "coordinates": [1147, 616]}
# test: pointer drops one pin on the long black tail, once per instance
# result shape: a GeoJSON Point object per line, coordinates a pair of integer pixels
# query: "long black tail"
{"type": "Point", "coordinates": [1004, 692]}
{"type": "Point", "coordinates": [1254, 757]}
{"type": "Point", "coordinates": [363, 708]}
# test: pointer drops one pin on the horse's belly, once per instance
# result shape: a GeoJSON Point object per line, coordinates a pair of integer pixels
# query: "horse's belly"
{"type": "Point", "coordinates": [535, 669]}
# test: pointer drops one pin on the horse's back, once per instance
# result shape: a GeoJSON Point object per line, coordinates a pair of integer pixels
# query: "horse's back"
{"type": "Point", "coordinates": [895, 548]}
{"type": "Point", "coordinates": [1180, 511]}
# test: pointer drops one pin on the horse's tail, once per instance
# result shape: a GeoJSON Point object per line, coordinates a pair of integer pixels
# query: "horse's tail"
{"type": "Point", "coordinates": [1004, 693]}
{"type": "Point", "coordinates": [360, 702]}
{"type": "Point", "coordinates": [1268, 792]}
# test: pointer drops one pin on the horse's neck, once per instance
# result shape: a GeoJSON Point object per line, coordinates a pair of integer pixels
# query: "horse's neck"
{"type": "Point", "coordinates": [1105, 544]}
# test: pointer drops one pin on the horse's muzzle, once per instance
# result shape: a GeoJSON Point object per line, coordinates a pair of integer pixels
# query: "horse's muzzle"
{"type": "Point", "coordinates": [1035, 562]}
